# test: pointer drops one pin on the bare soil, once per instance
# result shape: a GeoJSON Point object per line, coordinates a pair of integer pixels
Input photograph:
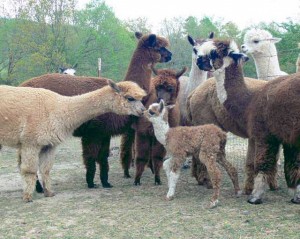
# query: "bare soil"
{"type": "Point", "coordinates": [128, 211]}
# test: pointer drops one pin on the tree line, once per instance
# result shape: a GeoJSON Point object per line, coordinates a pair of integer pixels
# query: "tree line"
{"type": "Point", "coordinates": [39, 36]}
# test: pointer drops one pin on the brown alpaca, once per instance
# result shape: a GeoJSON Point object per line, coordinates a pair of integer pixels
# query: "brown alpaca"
{"type": "Point", "coordinates": [271, 114]}
{"type": "Point", "coordinates": [205, 143]}
{"type": "Point", "coordinates": [164, 85]}
{"type": "Point", "coordinates": [42, 119]}
{"type": "Point", "coordinates": [204, 107]}
{"type": "Point", "coordinates": [96, 133]}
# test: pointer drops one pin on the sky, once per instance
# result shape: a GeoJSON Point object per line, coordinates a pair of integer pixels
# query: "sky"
{"type": "Point", "coordinates": [243, 13]}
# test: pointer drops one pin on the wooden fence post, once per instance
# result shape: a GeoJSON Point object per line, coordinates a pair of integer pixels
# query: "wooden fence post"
{"type": "Point", "coordinates": [99, 67]}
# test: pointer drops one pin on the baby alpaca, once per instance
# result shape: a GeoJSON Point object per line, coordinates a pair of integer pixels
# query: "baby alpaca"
{"type": "Point", "coordinates": [206, 143]}
{"type": "Point", "coordinates": [36, 120]}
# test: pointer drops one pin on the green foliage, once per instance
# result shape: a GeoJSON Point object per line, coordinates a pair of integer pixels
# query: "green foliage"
{"type": "Point", "coordinates": [44, 35]}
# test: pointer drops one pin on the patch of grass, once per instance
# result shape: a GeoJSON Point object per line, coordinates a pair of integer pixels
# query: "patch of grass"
{"type": "Point", "coordinates": [126, 211]}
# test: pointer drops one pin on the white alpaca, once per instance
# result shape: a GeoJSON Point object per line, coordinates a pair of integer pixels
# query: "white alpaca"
{"type": "Point", "coordinates": [188, 84]}
{"type": "Point", "coordinates": [261, 45]}
{"type": "Point", "coordinates": [205, 143]}
{"type": "Point", "coordinates": [36, 120]}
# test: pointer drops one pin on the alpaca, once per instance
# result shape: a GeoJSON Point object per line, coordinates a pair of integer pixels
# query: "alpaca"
{"type": "Point", "coordinates": [204, 107]}
{"type": "Point", "coordinates": [205, 143]}
{"type": "Point", "coordinates": [36, 135]}
{"type": "Point", "coordinates": [165, 85]}
{"type": "Point", "coordinates": [96, 133]}
{"type": "Point", "coordinates": [69, 71]}
{"type": "Point", "coordinates": [271, 114]}
{"type": "Point", "coordinates": [261, 45]}
{"type": "Point", "coordinates": [188, 84]}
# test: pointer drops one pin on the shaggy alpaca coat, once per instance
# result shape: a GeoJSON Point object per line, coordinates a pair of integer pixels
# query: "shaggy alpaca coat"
{"type": "Point", "coordinates": [43, 119]}
{"type": "Point", "coordinates": [270, 114]}
{"type": "Point", "coordinates": [205, 143]}
{"type": "Point", "coordinates": [165, 85]}
{"type": "Point", "coordinates": [96, 133]}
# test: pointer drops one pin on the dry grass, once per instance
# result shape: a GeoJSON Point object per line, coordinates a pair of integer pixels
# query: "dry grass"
{"type": "Point", "coordinates": [127, 211]}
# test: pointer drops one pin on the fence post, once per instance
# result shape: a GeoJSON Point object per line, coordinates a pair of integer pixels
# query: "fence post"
{"type": "Point", "coordinates": [99, 67]}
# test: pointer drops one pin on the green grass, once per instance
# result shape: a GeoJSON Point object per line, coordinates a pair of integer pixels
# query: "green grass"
{"type": "Point", "coordinates": [127, 211]}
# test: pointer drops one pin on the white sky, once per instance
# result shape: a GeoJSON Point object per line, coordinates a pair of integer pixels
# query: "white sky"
{"type": "Point", "coordinates": [243, 13]}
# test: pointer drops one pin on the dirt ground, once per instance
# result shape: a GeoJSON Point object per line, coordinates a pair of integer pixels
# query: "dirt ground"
{"type": "Point", "coordinates": [128, 211]}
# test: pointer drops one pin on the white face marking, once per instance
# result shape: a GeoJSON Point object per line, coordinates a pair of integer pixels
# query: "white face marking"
{"type": "Point", "coordinates": [205, 48]}
{"type": "Point", "coordinates": [70, 71]}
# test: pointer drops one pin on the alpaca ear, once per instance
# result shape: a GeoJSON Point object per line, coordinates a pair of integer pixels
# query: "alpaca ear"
{"type": "Point", "coordinates": [75, 65]}
{"type": "Point", "coordinates": [180, 73]}
{"type": "Point", "coordinates": [154, 70]}
{"type": "Point", "coordinates": [138, 35]}
{"type": "Point", "coordinates": [170, 106]}
{"type": "Point", "coordinates": [238, 57]}
{"type": "Point", "coordinates": [114, 86]}
{"type": "Point", "coordinates": [161, 105]}
{"type": "Point", "coordinates": [211, 35]}
{"type": "Point", "coordinates": [191, 40]}
{"type": "Point", "coordinates": [152, 40]}
{"type": "Point", "coordinates": [275, 39]}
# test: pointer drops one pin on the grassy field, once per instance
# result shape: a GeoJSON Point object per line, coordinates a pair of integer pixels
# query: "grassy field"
{"type": "Point", "coordinates": [128, 211]}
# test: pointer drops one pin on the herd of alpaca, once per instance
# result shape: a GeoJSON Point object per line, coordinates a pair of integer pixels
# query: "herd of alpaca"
{"type": "Point", "coordinates": [96, 109]}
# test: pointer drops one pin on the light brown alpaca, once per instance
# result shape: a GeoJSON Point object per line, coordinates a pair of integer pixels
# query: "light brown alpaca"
{"type": "Point", "coordinates": [204, 107]}
{"type": "Point", "coordinates": [271, 114]}
{"type": "Point", "coordinates": [96, 134]}
{"type": "Point", "coordinates": [205, 143]}
{"type": "Point", "coordinates": [42, 119]}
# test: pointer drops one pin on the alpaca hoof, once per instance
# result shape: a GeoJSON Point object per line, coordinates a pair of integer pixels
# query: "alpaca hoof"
{"type": "Point", "coordinates": [213, 204]}
{"type": "Point", "coordinates": [169, 198]}
{"type": "Point", "coordinates": [239, 193]}
{"type": "Point", "coordinates": [126, 174]}
{"type": "Point", "coordinates": [93, 186]}
{"type": "Point", "coordinates": [49, 194]}
{"type": "Point", "coordinates": [38, 187]}
{"type": "Point", "coordinates": [106, 185]}
{"type": "Point", "coordinates": [255, 200]}
{"type": "Point", "coordinates": [27, 198]}
{"type": "Point", "coordinates": [157, 181]}
{"type": "Point", "coordinates": [137, 183]}
{"type": "Point", "coordinates": [296, 200]}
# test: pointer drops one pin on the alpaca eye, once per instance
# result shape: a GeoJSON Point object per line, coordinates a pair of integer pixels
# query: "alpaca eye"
{"type": "Point", "coordinates": [151, 112]}
{"type": "Point", "coordinates": [256, 41]}
{"type": "Point", "coordinates": [130, 98]}
{"type": "Point", "coordinates": [170, 90]}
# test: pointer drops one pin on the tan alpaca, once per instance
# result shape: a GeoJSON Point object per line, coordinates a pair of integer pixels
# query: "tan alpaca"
{"type": "Point", "coordinates": [36, 120]}
{"type": "Point", "coordinates": [205, 143]}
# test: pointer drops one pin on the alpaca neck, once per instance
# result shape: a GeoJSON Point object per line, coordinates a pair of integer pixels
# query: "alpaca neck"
{"type": "Point", "coordinates": [79, 109]}
{"type": "Point", "coordinates": [196, 77]}
{"type": "Point", "coordinates": [161, 128]}
{"type": "Point", "coordinates": [233, 92]}
{"type": "Point", "coordinates": [139, 69]}
{"type": "Point", "coordinates": [267, 65]}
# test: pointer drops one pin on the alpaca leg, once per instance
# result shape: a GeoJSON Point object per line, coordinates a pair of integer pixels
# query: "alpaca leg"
{"type": "Point", "coordinates": [126, 150]}
{"type": "Point", "coordinates": [174, 173]}
{"type": "Point", "coordinates": [249, 167]}
{"type": "Point", "coordinates": [167, 168]}
{"type": "Point", "coordinates": [292, 170]}
{"type": "Point", "coordinates": [38, 185]}
{"type": "Point", "coordinates": [232, 172]}
{"type": "Point", "coordinates": [158, 153]}
{"type": "Point", "coordinates": [265, 158]}
{"type": "Point", "coordinates": [46, 160]}
{"type": "Point", "coordinates": [209, 159]}
{"type": "Point", "coordinates": [199, 171]}
{"type": "Point", "coordinates": [142, 149]}
{"type": "Point", "coordinates": [28, 169]}
{"type": "Point", "coordinates": [102, 159]}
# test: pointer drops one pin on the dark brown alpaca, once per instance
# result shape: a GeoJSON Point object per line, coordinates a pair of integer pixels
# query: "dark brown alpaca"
{"type": "Point", "coordinates": [96, 134]}
{"type": "Point", "coordinates": [164, 86]}
{"type": "Point", "coordinates": [271, 114]}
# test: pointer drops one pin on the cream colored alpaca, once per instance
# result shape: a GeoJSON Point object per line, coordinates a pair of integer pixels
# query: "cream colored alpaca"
{"type": "Point", "coordinates": [36, 120]}
{"type": "Point", "coordinates": [205, 143]}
